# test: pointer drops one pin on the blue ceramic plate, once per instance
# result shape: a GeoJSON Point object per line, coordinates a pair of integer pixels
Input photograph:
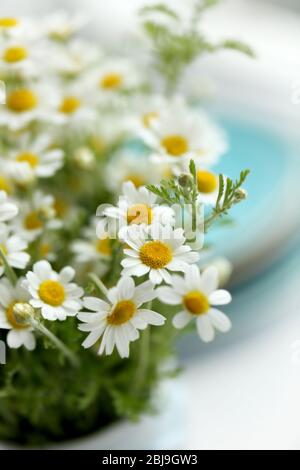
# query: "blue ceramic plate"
{"type": "Point", "coordinates": [264, 223]}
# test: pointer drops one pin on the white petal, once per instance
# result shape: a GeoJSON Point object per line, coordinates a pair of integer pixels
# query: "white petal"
{"type": "Point", "coordinates": [192, 277]}
{"type": "Point", "coordinates": [125, 287]}
{"type": "Point", "coordinates": [153, 318]}
{"type": "Point", "coordinates": [43, 270]}
{"type": "Point", "coordinates": [14, 339]}
{"type": "Point", "coordinates": [29, 340]}
{"type": "Point", "coordinates": [93, 337]}
{"type": "Point", "coordinates": [122, 342]}
{"type": "Point", "coordinates": [209, 280]}
{"type": "Point", "coordinates": [204, 328]}
{"type": "Point", "coordinates": [95, 304]}
{"type": "Point", "coordinates": [128, 263]}
{"type": "Point", "coordinates": [168, 295]}
{"type": "Point", "coordinates": [138, 270]}
{"type": "Point", "coordinates": [220, 321]}
{"type": "Point", "coordinates": [155, 276]}
{"type": "Point", "coordinates": [144, 293]}
{"type": "Point", "coordinates": [66, 274]}
{"type": "Point", "coordinates": [181, 319]}
{"type": "Point", "coordinates": [138, 322]}
{"type": "Point", "coordinates": [220, 297]}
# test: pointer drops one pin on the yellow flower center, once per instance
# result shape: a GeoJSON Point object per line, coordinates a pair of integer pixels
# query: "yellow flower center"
{"type": "Point", "coordinates": [155, 254]}
{"type": "Point", "coordinates": [111, 81]}
{"type": "Point", "coordinates": [139, 214]}
{"type": "Point", "coordinates": [175, 145]}
{"type": "Point", "coordinates": [8, 22]}
{"type": "Point", "coordinates": [33, 221]}
{"type": "Point", "coordinates": [5, 185]}
{"type": "Point", "coordinates": [122, 313]}
{"type": "Point", "coordinates": [196, 302]}
{"type": "Point", "coordinates": [52, 293]}
{"type": "Point", "coordinates": [69, 105]}
{"type": "Point", "coordinates": [44, 250]}
{"type": "Point", "coordinates": [148, 117]}
{"type": "Point", "coordinates": [207, 182]}
{"type": "Point", "coordinates": [12, 319]}
{"type": "Point", "coordinates": [136, 179]}
{"type": "Point", "coordinates": [15, 54]}
{"type": "Point", "coordinates": [104, 246]}
{"type": "Point", "coordinates": [28, 157]}
{"type": "Point", "coordinates": [23, 100]}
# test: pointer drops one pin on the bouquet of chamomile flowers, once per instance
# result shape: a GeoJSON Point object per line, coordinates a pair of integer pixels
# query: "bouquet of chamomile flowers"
{"type": "Point", "coordinates": [106, 193]}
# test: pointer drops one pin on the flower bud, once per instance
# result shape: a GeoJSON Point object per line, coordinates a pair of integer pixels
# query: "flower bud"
{"type": "Point", "coordinates": [240, 194]}
{"type": "Point", "coordinates": [185, 180]}
{"type": "Point", "coordinates": [84, 158]}
{"type": "Point", "coordinates": [23, 311]}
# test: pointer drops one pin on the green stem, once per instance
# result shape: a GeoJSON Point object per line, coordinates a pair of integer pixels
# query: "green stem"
{"type": "Point", "coordinates": [98, 283]}
{"type": "Point", "coordinates": [59, 344]}
{"type": "Point", "coordinates": [10, 273]}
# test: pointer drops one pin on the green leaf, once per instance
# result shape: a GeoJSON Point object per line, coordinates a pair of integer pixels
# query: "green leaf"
{"type": "Point", "coordinates": [159, 8]}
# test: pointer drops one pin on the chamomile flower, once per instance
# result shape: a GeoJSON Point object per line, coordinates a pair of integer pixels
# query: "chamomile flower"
{"type": "Point", "coordinates": [18, 334]}
{"type": "Point", "coordinates": [157, 251]}
{"type": "Point", "coordinates": [90, 248]}
{"type": "Point", "coordinates": [36, 215]}
{"type": "Point", "coordinates": [21, 57]}
{"type": "Point", "coordinates": [8, 210]}
{"type": "Point", "coordinates": [72, 107]}
{"type": "Point", "coordinates": [52, 292]}
{"type": "Point", "coordinates": [61, 27]}
{"type": "Point", "coordinates": [198, 295]}
{"type": "Point", "coordinates": [180, 134]}
{"type": "Point", "coordinates": [11, 27]}
{"type": "Point", "coordinates": [73, 59]}
{"type": "Point", "coordinates": [35, 159]}
{"type": "Point", "coordinates": [208, 186]}
{"type": "Point", "coordinates": [13, 247]}
{"type": "Point", "coordinates": [114, 77]}
{"type": "Point", "coordinates": [140, 170]}
{"type": "Point", "coordinates": [27, 104]}
{"type": "Point", "coordinates": [119, 319]}
{"type": "Point", "coordinates": [136, 206]}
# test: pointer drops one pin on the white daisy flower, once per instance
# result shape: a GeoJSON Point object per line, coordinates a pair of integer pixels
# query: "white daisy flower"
{"type": "Point", "coordinates": [52, 292]}
{"type": "Point", "coordinates": [73, 107]}
{"type": "Point", "coordinates": [157, 251]}
{"type": "Point", "coordinates": [25, 105]}
{"type": "Point", "coordinates": [21, 57]}
{"type": "Point", "coordinates": [92, 249]}
{"type": "Point", "coordinates": [149, 108]}
{"type": "Point", "coordinates": [60, 26]}
{"type": "Point", "coordinates": [8, 210]}
{"type": "Point", "coordinates": [119, 319]}
{"type": "Point", "coordinates": [35, 159]}
{"type": "Point", "coordinates": [181, 134]}
{"type": "Point", "coordinates": [140, 170]}
{"type": "Point", "coordinates": [36, 215]}
{"type": "Point", "coordinates": [14, 26]}
{"type": "Point", "coordinates": [136, 206]}
{"type": "Point", "coordinates": [13, 248]}
{"type": "Point", "coordinates": [19, 334]}
{"type": "Point", "coordinates": [74, 58]}
{"type": "Point", "coordinates": [113, 77]}
{"type": "Point", "coordinates": [198, 294]}
{"type": "Point", "coordinates": [208, 186]}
